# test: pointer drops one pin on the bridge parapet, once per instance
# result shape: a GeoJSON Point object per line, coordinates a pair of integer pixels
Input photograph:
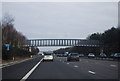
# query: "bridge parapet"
{"type": "Point", "coordinates": [63, 42]}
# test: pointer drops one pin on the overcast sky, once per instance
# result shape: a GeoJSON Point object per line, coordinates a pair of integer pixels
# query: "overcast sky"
{"type": "Point", "coordinates": [62, 19]}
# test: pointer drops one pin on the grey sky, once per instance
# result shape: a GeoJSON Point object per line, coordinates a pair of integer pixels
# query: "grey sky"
{"type": "Point", "coordinates": [60, 19]}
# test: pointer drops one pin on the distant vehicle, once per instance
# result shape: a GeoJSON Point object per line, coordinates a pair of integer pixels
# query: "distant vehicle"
{"type": "Point", "coordinates": [59, 55]}
{"type": "Point", "coordinates": [73, 56]}
{"type": "Point", "coordinates": [65, 55]}
{"type": "Point", "coordinates": [40, 53]}
{"type": "Point", "coordinates": [48, 56]}
{"type": "Point", "coordinates": [117, 56]}
{"type": "Point", "coordinates": [112, 55]}
{"type": "Point", "coordinates": [81, 55]}
{"type": "Point", "coordinates": [103, 55]}
{"type": "Point", "coordinates": [91, 55]}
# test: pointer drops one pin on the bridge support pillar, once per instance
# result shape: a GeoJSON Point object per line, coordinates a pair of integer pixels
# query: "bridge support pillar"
{"type": "Point", "coordinates": [30, 49]}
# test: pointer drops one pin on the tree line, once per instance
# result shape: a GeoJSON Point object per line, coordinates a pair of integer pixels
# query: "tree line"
{"type": "Point", "coordinates": [10, 35]}
{"type": "Point", "coordinates": [110, 38]}
{"type": "Point", "coordinates": [15, 39]}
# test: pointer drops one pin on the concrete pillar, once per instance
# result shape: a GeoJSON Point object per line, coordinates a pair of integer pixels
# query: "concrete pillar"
{"type": "Point", "coordinates": [59, 42]}
{"type": "Point", "coordinates": [56, 42]}
{"type": "Point", "coordinates": [41, 43]}
{"type": "Point", "coordinates": [32, 42]}
{"type": "Point", "coordinates": [67, 42]}
{"type": "Point", "coordinates": [37, 42]}
{"type": "Point", "coordinates": [78, 42]}
{"type": "Point", "coordinates": [47, 42]}
{"type": "Point", "coordinates": [70, 42]}
{"type": "Point", "coordinates": [29, 43]}
{"type": "Point", "coordinates": [30, 50]}
{"type": "Point", "coordinates": [50, 42]}
{"type": "Point", "coordinates": [75, 42]}
{"type": "Point", "coordinates": [63, 42]}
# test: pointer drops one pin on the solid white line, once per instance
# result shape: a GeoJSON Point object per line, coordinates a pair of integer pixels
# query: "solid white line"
{"type": "Point", "coordinates": [30, 72]}
{"type": "Point", "coordinates": [91, 72]}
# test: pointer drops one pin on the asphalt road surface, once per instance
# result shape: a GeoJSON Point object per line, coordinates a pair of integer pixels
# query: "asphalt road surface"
{"type": "Point", "coordinates": [85, 69]}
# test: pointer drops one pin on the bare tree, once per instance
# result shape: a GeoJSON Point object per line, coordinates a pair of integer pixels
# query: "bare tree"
{"type": "Point", "coordinates": [9, 34]}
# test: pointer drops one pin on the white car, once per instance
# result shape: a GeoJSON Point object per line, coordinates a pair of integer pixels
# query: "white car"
{"type": "Point", "coordinates": [91, 55]}
{"type": "Point", "coordinates": [48, 56]}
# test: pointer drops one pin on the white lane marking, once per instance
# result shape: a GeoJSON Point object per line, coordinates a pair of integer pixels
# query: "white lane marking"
{"type": "Point", "coordinates": [30, 72]}
{"type": "Point", "coordinates": [113, 65]}
{"type": "Point", "coordinates": [91, 72]}
{"type": "Point", "coordinates": [68, 63]}
{"type": "Point", "coordinates": [75, 66]}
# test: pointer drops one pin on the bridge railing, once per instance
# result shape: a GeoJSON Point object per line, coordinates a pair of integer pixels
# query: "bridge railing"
{"type": "Point", "coordinates": [63, 42]}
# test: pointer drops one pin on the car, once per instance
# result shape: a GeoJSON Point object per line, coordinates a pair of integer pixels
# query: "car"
{"type": "Point", "coordinates": [60, 55]}
{"type": "Point", "coordinates": [73, 56]}
{"type": "Point", "coordinates": [112, 55]}
{"type": "Point", "coordinates": [48, 56]}
{"type": "Point", "coordinates": [65, 55]}
{"type": "Point", "coordinates": [117, 55]}
{"type": "Point", "coordinates": [91, 55]}
{"type": "Point", "coordinates": [81, 55]}
{"type": "Point", "coordinates": [103, 55]}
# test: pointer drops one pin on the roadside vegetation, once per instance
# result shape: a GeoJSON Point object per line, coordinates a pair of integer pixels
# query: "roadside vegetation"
{"type": "Point", "coordinates": [15, 39]}
{"type": "Point", "coordinates": [110, 38]}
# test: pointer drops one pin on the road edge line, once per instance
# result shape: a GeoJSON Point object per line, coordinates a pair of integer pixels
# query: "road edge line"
{"type": "Point", "coordinates": [30, 72]}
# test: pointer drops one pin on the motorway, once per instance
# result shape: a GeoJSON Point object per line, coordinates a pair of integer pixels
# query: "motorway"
{"type": "Point", "coordinates": [85, 69]}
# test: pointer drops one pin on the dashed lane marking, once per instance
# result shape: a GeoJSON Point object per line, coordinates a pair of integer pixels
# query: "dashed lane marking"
{"type": "Point", "coordinates": [68, 63]}
{"type": "Point", "coordinates": [75, 66]}
{"type": "Point", "coordinates": [91, 72]}
{"type": "Point", "coordinates": [113, 65]}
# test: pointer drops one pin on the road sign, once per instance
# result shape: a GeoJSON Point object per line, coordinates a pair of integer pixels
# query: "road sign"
{"type": "Point", "coordinates": [7, 47]}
